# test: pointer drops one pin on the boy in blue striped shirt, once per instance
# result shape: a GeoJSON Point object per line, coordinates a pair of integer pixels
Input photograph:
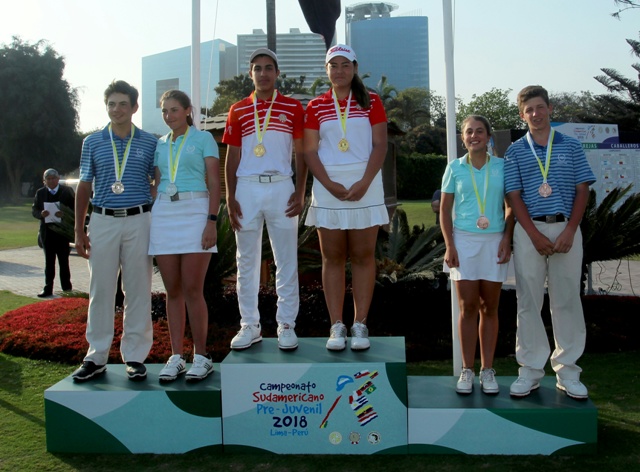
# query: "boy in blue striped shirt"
{"type": "Point", "coordinates": [547, 180]}
{"type": "Point", "coordinates": [118, 163]}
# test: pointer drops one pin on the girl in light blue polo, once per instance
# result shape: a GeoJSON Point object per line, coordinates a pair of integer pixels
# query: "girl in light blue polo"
{"type": "Point", "coordinates": [478, 227]}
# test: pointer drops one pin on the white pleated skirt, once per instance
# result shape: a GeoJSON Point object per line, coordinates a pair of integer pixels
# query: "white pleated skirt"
{"type": "Point", "coordinates": [478, 256]}
{"type": "Point", "coordinates": [176, 227]}
{"type": "Point", "coordinates": [326, 211]}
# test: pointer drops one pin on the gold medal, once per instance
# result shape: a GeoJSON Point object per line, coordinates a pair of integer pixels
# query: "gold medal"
{"type": "Point", "coordinates": [545, 190]}
{"type": "Point", "coordinates": [343, 145]}
{"type": "Point", "coordinates": [259, 150]}
{"type": "Point", "coordinates": [482, 222]}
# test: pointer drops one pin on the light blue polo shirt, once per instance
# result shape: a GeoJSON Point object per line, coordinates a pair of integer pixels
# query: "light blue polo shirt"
{"type": "Point", "coordinates": [191, 169]}
{"type": "Point", "coordinates": [457, 180]}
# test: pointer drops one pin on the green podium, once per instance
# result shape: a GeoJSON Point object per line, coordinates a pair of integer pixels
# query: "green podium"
{"type": "Point", "coordinates": [545, 422]}
{"type": "Point", "coordinates": [314, 401]}
{"type": "Point", "coordinates": [112, 414]}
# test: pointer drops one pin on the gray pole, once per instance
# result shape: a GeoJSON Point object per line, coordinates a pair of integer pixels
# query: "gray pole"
{"type": "Point", "coordinates": [271, 25]}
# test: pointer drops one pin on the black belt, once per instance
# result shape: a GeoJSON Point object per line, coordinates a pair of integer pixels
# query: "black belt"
{"type": "Point", "coordinates": [122, 212]}
{"type": "Point", "coordinates": [559, 218]}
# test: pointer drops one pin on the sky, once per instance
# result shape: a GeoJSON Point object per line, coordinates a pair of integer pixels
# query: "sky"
{"type": "Point", "coordinates": [504, 44]}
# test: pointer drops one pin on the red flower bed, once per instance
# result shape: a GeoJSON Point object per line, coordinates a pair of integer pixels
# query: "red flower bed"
{"type": "Point", "coordinates": [55, 330]}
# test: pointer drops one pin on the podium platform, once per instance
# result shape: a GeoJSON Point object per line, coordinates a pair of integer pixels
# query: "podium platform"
{"type": "Point", "coordinates": [314, 401]}
{"type": "Point", "coordinates": [113, 414]}
{"type": "Point", "coordinates": [545, 422]}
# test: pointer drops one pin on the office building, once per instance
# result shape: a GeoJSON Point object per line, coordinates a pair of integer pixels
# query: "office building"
{"type": "Point", "coordinates": [172, 70]}
{"type": "Point", "coordinates": [396, 47]}
{"type": "Point", "coordinates": [299, 54]}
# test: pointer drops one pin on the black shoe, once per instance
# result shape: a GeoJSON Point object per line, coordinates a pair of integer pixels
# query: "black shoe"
{"type": "Point", "coordinates": [45, 293]}
{"type": "Point", "coordinates": [88, 370]}
{"type": "Point", "coordinates": [68, 289]}
{"type": "Point", "coordinates": [136, 371]}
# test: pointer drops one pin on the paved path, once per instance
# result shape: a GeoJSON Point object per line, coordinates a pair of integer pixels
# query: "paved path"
{"type": "Point", "coordinates": [22, 272]}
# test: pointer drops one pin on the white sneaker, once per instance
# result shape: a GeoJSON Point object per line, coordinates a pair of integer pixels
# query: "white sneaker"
{"type": "Point", "coordinates": [465, 382]}
{"type": "Point", "coordinates": [488, 382]}
{"type": "Point", "coordinates": [202, 366]}
{"type": "Point", "coordinates": [174, 367]}
{"type": "Point", "coordinates": [523, 387]}
{"type": "Point", "coordinates": [573, 388]}
{"type": "Point", "coordinates": [287, 338]}
{"type": "Point", "coordinates": [359, 337]}
{"type": "Point", "coordinates": [337, 337]}
{"type": "Point", "coordinates": [248, 335]}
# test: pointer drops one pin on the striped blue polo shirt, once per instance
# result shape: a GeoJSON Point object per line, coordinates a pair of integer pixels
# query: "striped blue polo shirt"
{"type": "Point", "coordinates": [97, 166]}
{"type": "Point", "coordinates": [568, 167]}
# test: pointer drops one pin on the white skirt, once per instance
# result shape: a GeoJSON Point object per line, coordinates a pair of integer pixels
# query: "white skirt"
{"type": "Point", "coordinates": [176, 227]}
{"type": "Point", "coordinates": [326, 211]}
{"type": "Point", "coordinates": [478, 257]}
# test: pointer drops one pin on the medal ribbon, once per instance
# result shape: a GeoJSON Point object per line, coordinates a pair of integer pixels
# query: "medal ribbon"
{"type": "Point", "coordinates": [119, 168]}
{"type": "Point", "coordinates": [482, 204]}
{"type": "Point", "coordinates": [543, 170]}
{"type": "Point", "coordinates": [256, 119]}
{"type": "Point", "coordinates": [342, 116]}
{"type": "Point", "coordinates": [174, 162]}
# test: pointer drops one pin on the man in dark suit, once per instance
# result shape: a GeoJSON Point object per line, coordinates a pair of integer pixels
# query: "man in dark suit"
{"type": "Point", "coordinates": [46, 208]}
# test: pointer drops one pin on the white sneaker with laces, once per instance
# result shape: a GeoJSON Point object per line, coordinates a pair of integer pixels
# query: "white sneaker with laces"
{"type": "Point", "coordinates": [287, 338]}
{"type": "Point", "coordinates": [523, 387]}
{"type": "Point", "coordinates": [337, 337]}
{"type": "Point", "coordinates": [573, 388]}
{"type": "Point", "coordinates": [248, 335]}
{"type": "Point", "coordinates": [202, 366]}
{"type": "Point", "coordinates": [175, 366]}
{"type": "Point", "coordinates": [359, 337]}
{"type": "Point", "coordinates": [488, 381]}
{"type": "Point", "coordinates": [465, 382]}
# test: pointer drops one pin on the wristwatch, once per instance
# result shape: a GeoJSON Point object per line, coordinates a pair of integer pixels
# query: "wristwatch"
{"type": "Point", "coordinates": [213, 217]}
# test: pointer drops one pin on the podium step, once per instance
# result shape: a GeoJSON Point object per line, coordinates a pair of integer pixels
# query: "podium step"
{"type": "Point", "coordinates": [545, 422]}
{"type": "Point", "coordinates": [113, 414]}
{"type": "Point", "coordinates": [314, 401]}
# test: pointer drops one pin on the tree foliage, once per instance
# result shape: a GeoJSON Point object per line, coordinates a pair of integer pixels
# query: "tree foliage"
{"type": "Point", "coordinates": [494, 105]}
{"type": "Point", "coordinates": [573, 107]}
{"type": "Point", "coordinates": [235, 89]}
{"type": "Point", "coordinates": [622, 104]}
{"type": "Point", "coordinates": [624, 5]}
{"type": "Point", "coordinates": [40, 129]}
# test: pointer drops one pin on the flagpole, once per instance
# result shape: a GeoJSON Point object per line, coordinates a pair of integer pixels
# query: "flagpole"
{"type": "Point", "coordinates": [195, 61]}
{"type": "Point", "coordinates": [447, 18]}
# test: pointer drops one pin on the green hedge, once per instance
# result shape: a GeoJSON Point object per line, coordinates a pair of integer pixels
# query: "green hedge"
{"type": "Point", "coordinates": [418, 176]}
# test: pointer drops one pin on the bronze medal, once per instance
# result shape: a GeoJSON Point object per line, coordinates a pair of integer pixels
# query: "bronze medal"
{"type": "Point", "coordinates": [545, 190]}
{"type": "Point", "coordinates": [343, 145]}
{"type": "Point", "coordinates": [259, 150]}
{"type": "Point", "coordinates": [117, 187]}
{"type": "Point", "coordinates": [482, 222]}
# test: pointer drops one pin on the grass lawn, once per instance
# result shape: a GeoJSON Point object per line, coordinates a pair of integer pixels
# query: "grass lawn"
{"type": "Point", "coordinates": [611, 378]}
{"type": "Point", "coordinates": [418, 212]}
{"type": "Point", "coordinates": [18, 228]}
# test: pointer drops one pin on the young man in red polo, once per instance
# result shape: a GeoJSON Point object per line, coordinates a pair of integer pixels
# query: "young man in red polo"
{"type": "Point", "coordinates": [261, 132]}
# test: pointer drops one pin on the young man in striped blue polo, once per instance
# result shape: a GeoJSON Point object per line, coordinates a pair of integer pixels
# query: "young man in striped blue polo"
{"type": "Point", "coordinates": [547, 180]}
{"type": "Point", "coordinates": [118, 163]}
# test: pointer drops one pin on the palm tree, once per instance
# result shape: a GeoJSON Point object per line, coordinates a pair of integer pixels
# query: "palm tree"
{"type": "Point", "coordinates": [611, 230]}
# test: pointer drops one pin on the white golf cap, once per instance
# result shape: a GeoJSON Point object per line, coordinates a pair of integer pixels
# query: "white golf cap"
{"type": "Point", "coordinates": [340, 50]}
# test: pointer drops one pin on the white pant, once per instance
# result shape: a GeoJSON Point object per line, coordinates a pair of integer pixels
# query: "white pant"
{"type": "Point", "coordinates": [119, 244]}
{"type": "Point", "coordinates": [260, 203]}
{"type": "Point", "coordinates": [562, 272]}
